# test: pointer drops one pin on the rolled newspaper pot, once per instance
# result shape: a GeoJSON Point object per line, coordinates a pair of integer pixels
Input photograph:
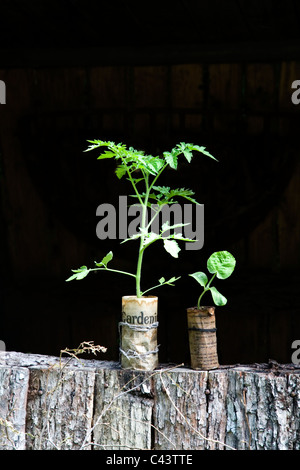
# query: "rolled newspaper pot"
{"type": "Point", "coordinates": [202, 338]}
{"type": "Point", "coordinates": [138, 333]}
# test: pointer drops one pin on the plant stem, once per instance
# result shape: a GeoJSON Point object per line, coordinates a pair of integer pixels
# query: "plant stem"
{"type": "Point", "coordinates": [206, 288]}
{"type": "Point", "coordinates": [141, 248]}
{"type": "Point", "coordinates": [113, 270]}
{"type": "Point", "coordinates": [144, 228]}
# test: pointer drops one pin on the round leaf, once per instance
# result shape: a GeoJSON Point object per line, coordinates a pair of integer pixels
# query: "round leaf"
{"type": "Point", "coordinates": [222, 263]}
{"type": "Point", "coordinates": [218, 298]}
{"type": "Point", "coordinates": [200, 277]}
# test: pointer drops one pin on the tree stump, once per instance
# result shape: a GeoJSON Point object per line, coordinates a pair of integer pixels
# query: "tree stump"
{"type": "Point", "coordinates": [68, 403]}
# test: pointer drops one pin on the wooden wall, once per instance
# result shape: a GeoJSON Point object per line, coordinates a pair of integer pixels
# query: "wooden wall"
{"type": "Point", "coordinates": [242, 112]}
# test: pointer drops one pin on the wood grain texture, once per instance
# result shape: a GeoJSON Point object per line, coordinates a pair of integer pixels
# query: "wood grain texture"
{"type": "Point", "coordinates": [13, 396]}
{"type": "Point", "coordinates": [48, 403]}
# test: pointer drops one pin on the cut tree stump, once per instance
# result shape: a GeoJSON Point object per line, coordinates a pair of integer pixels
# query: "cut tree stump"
{"type": "Point", "coordinates": [78, 404]}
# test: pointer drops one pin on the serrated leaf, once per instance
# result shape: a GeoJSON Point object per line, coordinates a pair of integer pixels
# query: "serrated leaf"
{"type": "Point", "coordinates": [136, 180]}
{"type": "Point", "coordinates": [180, 237]}
{"type": "Point", "coordinates": [222, 263]}
{"type": "Point", "coordinates": [218, 298]}
{"type": "Point", "coordinates": [106, 154]}
{"type": "Point", "coordinates": [121, 171]}
{"type": "Point", "coordinates": [132, 237]}
{"type": "Point", "coordinates": [150, 238]}
{"type": "Point", "coordinates": [155, 163]}
{"type": "Point", "coordinates": [171, 159]}
{"type": "Point", "coordinates": [192, 200]}
{"type": "Point", "coordinates": [202, 150]}
{"type": "Point", "coordinates": [188, 155]}
{"type": "Point", "coordinates": [171, 246]}
{"type": "Point", "coordinates": [162, 189]}
{"type": "Point", "coordinates": [165, 226]}
{"type": "Point", "coordinates": [200, 277]}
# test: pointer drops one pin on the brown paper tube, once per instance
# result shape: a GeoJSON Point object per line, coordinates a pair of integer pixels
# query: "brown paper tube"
{"type": "Point", "coordinates": [138, 349]}
{"type": "Point", "coordinates": [202, 338]}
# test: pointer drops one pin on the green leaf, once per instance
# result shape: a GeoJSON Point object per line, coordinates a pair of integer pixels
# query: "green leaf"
{"type": "Point", "coordinates": [200, 277]}
{"type": "Point", "coordinates": [192, 200]}
{"type": "Point", "coordinates": [186, 150]}
{"type": "Point", "coordinates": [98, 143]}
{"type": "Point", "coordinates": [173, 279]}
{"type": "Point", "coordinates": [202, 150]}
{"type": "Point", "coordinates": [222, 263]}
{"type": "Point", "coordinates": [82, 274]}
{"type": "Point", "coordinates": [166, 194]}
{"type": "Point", "coordinates": [82, 268]}
{"type": "Point", "coordinates": [150, 238]}
{"type": "Point", "coordinates": [218, 298]}
{"type": "Point", "coordinates": [105, 260]}
{"type": "Point", "coordinates": [106, 154]}
{"type": "Point", "coordinates": [121, 171]}
{"type": "Point", "coordinates": [74, 276]}
{"type": "Point", "coordinates": [171, 246]}
{"type": "Point", "coordinates": [155, 163]}
{"type": "Point", "coordinates": [162, 189]}
{"type": "Point", "coordinates": [79, 273]}
{"type": "Point", "coordinates": [136, 180]}
{"type": "Point", "coordinates": [165, 226]}
{"type": "Point", "coordinates": [171, 159]}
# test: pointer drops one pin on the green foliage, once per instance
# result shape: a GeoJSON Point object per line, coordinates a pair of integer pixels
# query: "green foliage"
{"type": "Point", "coordinates": [221, 264]}
{"type": "Point", "coordinates": [139, 167]}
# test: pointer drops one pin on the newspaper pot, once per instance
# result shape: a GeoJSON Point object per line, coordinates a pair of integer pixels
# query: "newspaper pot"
{"type": "Point", "coordinates": [138, 333]}
{"type": "Point", "coordinates": [202, 338]}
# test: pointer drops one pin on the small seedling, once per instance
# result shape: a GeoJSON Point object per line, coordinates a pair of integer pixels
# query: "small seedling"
{"type": "Point", "coordinates": [220, 264]}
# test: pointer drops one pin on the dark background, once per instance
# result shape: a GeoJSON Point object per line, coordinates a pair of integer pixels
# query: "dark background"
{"type": "Point", "coordinates": [150, 75]}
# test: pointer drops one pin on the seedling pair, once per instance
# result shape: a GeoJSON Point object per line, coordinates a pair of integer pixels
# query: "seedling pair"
{"type": "Point", "coordinates": [143, 172]}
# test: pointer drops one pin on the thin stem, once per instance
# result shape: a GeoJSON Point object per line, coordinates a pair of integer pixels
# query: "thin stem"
{"type": "Point", "coordinates": [154, 287]}
{"type": "Point", "coordinates": [157, 176]}
{"type": "Point", "coordinates": [153, 218]}
{"type": "Point", "coordinates": [205, 290]}
{"type": "Point", "coordinates": [144, 205]}
{"type": "Point", "coordinates": [132, 182]}
{"type": "Point", "coordinates": [113, 270]}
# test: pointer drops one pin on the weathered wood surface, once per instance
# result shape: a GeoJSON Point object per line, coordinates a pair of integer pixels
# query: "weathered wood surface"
{"type": "Point", "coordinates": [48, 403]}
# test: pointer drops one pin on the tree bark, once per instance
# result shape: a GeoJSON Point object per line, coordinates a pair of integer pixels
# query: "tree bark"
{"type": "Point", "coordinates": [48, 403]}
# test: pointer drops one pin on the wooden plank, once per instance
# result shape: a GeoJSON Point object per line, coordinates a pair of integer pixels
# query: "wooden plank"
{"type": "Point", "coordinates": [180, 410]}
{"type": "Point", "coordinates": [262, 411]}
{"type": "Point", "coordinates": [123, 410]}
{"type": "Point", "coordinates": [59, 409]}
{"type": "Point", "coordinates": [13, 397]}
{"type": "Point", "coordinates": [91, 405]}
